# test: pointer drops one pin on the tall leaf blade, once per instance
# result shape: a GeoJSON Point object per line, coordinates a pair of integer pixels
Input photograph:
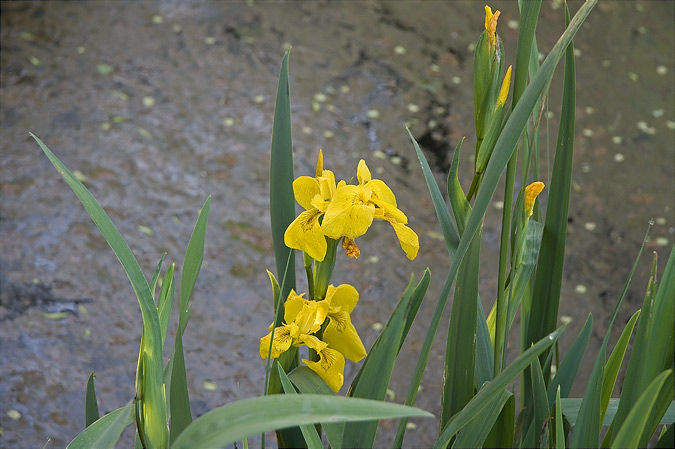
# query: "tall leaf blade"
{"type": "Point", "coordinates": [282, 201]}
{"type": "Point", "coordinates": [567, 371]}
{"type": "Point", "coordinates": [309, 432]}
{"type": "Point", "coordinates": [106, 431]}
{"type": "Point", "coordinates": [91, 413]}
{"type": "Point", "coordinates": [152, 394]}
{"type": "Point", "coordinates": [237, 420]}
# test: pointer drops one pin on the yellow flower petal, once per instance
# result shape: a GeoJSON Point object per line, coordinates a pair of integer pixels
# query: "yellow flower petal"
{"type": "Point", "coordinates": [349, 213]}
{"type": "Point", "coordinates": [504, 91]}
{"type": "Point", "coordinates": [407, 238]}
{"type": "Point", "coordinates": [341, 335]}
{"type": "Point", "coordinates": [386, 211]}
{"type": "Point", "coordinates": [282, 341]}
{"type": "Point", "coordinates": [293, 306]}
{"type": "Point", "coordinates": [531, 193]}
{"type": "Point", "coordinates": [319, 164]}
{"type": "Point", "coordinates": [305, 233]}
{"type": "Point", "coordinates": [304, 189]}
{"type": "Point", "coordinates": [330, 367]}
{"type": "Point", "coordinates": [343, 297]}
{"type": "Point", "coordinates": [381, 191]}
{"type": "Point", "coordinates": [362, 172]}
{"type": "Point", "coordinates": [311, 317]}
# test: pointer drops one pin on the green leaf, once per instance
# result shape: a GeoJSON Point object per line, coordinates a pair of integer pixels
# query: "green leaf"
{"type": "Point", "coordinates": [155, 275]}
{"type": "Point", "coordinates": [493, 388]}
{"type": "Point", "coordinates": [476, 431]}
{"type": "Point", "coordinates": [667, 439]}
{"type": "Point", "coordinates": [502, 432]}
{"type": "Point", "coordinates": [460, 352]}
{"type": "Point", "coordinates": [460, 205]}
{"type": "Point", "coordinates": [614, 363]}
{"type": "Point", "coordinates": [235, 421]}
{"type": "Point", "coordinates": [308, 382]}
{"type": "Point", "coordinates": [309, 432]}
{"type": "Point", "coordinates": [282, 200]}
{"type": "Point", "coordinates": [91, 413]}
{"type": "Point", "coordinates": [372, 380]}
{"type": "Point", "coordinates": [570, 408]}
{"type": "Point", "coordinates": [567, 371]}
{"type": "Point", "coordinates": [152, 390]}
{"type": "Point", "coordinates": [179, 399]}
{"type": "Point", "coordinates": [559, 425]}
{"type": "Point", "coordinates": [449, 231]}
{"type": "Point", "coordinates": [105, 432]}
{"type": "Point", "coordinates": [165, 302]}
{"type": "Point", "coordinates": [541, 406]}
{"type": "Point", "coordinates": [415, 303]}
{"type": "Point", "coordinates": [628, 435]}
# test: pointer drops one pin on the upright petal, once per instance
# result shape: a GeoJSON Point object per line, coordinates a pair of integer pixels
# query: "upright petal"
{"type": "Point", "coordinates": [304, 189]}
{"type": "Point", "coordinates": [330, 367]}
{"type": "Point", "coordinates": [349, 213]}
{"type": "Point", "coordinates": [305, 233]}
{"type": "Point", "coordinates": [343, 297]}
{"type": "Point", "coordinates": [362, 172]}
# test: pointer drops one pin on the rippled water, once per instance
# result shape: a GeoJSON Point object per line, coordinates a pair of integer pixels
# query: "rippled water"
{"type": "Point", "coordinates": [160, 104]}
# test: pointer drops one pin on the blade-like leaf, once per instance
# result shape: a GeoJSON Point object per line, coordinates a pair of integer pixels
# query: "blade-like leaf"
{"type": "Point", "coordinates": [194, 255]}
{"type": "Point", "coordinates": [165, 302]}
{"type": "Point", "coordinates": [614, 362]}
{"type": "Point", "coordinates": [282, 201]}
{"type": "Point", "coordinates": [628, 435]}
{"type": "Point", "coordinates": [309, 432]}
{"type": "Point", "coordinates": [567, 371]}
{"type": "Point", "coordinates": [179, 400]}
{"type": "Point", "coordinates": [570, 408]}
{"type": "Point", "coordinates": [476, 431]}
{"type": "Point", "coordinates": [308, 382]}
{"type": "Point", "coordinates": [105, 432]}
{"type": "Point", "coordinates": [491, 389]}
{"type": "Point", "coordinates": [153, 400]}
{"type": "Point", "coordinates": [559, 425]}
{"type": "Point", "coordinates": [235, 421]}
{"type": "Point", "coordinates": [90, 404]}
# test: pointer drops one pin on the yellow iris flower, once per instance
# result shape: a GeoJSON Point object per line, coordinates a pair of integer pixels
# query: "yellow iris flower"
{"type": "Point", "coordinates": [532, 191]}
{"type": "Point", "coordinates": [353, 208]}
{"type": "Point", "coordinates": [491, 24]}
{"type": "Point", "coordinates": [303, 319]}
{"type": "Point", "coordinates": [313, 194]}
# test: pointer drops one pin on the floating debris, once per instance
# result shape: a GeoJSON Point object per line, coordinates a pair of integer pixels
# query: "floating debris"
{"type": "Point", "coordinates": [513, 24]}
{"type": "Point", "coordinates": [209, 40]}
{"type": "Point", "coordinates": [662, 241]}
{"type": "Point", "coordinates": [456, 79]}
{"type": "Point", "coordinates": [660, 221]}
{"type": "Point", "coordinates": [344, 89]}
{"type": "Point", "coordinates": [658, 113]}
{"type": "Point", "coordinates": [104, 69]}
{"type": "Point", "coordinates": [399, 50]}
{"type": "Point", "coordinates": [148, 101]}
{"type": "Point", "coordinates": [35, 61]}
{"type": "Point", "coordinates": [146, 230]}
{"type": "Point", "coordinates": [157, 19]}
{"type": "Point", "coordinates": [585, 167]}
{"type": "Point", "coordinates": [228, 121]}
{"type": "Point", "coordinates": [617, 139]}
{"type": "Point", "coordinates": [499, 205]}
{"type": "Point", "coordinates": [320, 97]}
{"type": "Point", "coordinates": [606, 63]}
{"type": "Point", "coordinates": [14, 414]}
{"type": "Point", "coordinates": [55, 315]}
{"type": "Point", "coordinates": [577, 52]}
{"type": "Point", "coordinates": [377, 327]}
{"type": "Point", "coordinates": [590, 226]}
{"type": "Point", "coordinates": [618, 157]}
{"type": "Point", "coordinates": [328, 134]}
{"type": "Point", "coordinates": [120, 95]}
{"type": "Point", "coordinates": [372, 259]}
{"type": "Point", "coordinates": [410, 425]}
{"type": "Point", "coordinates": [661, 70]}
{"type": "Point", "coordinates": [373, 113]}
{"type": "Point", "coordinates": [633, 76]}
{"type": "Point", "coordinates": [144, 132]}
{"type": "Point", "coordinates": [83, 310]}
{"type": "Point", "coordinates": [589, 110]}
{"type": "Point", "coordinates": [391, 394]}
{"type": "Point", "coordinates": [80, 176]}
{"type": "Point", "coordinates": [413, 108]}
{"type": "Point", "coordinates": [580, 289]}
{"type": "Point", "coordinates": [209, 385]}
{"type": "Point", "coordinates": [176, 28]}
{"type": "Point", "coordinates": [81, 49]}
{"type": "Point", "coordinates": [396, 160]}
{"type": "Point", "coordinates": [259, 99]}
{"type": "Point", "coordinates": [379, 154]}
{"type": "Point", "coordinates": [587, 132]}
{"type": "Point", "coordinates": [670, 124]}
{"type": "Point", "coordinates": [25, 35]}
{"type": "Point", "coordinates": [105, 126]}
{"type": "Point", "coordinates": [435, 68]}
{"type": "Point", "coordinates": [644, 127]}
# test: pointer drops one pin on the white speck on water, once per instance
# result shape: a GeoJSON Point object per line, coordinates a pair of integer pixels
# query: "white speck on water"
{"type": "Point", "coordinates": [577, 52]}
{"type": "Point", "coordinates": [148, 101]}
{"type": "Point", "coordinates": [660, 221]}
{"type": "Point", "coordinates": [377, 327]}
{"type": "Point", "coordinates": [618, 157]}
{"type": "Point", "coordinates": [587, 132]}
{"type": "Point", "coordinates": [379, 154]}
{"type": "Point", "coordinates": [617, 139]}
{"type": "Point", "coordinates": [14, 414]}
{"type": "Point", "coordinates": [633, 76]}
{"type": "Point", "coordinates": [328, 134]}
{"type": "Point", "coordinates": [259, 99]}
{"type": "Point", "coordinates": [81, 49]}
{"type": "Point", "coordinates": [176, 28]}
{"type": "Point", "coordinates": [580, 289]}
{"type": "Point", "coordinates": [330, 107]}
{"type": "Point", "coordinates": [590, 226]}
{"type": "Point", "coordinates": [209, 40]}
{"type": "Point", "coordinates": [642, 30]}
{"type": "Point", "coordinates": [670, 124]}
{"type": "Point", "coordinates": [373, 259]}
{"type": "Point", "coordinates": [412, 108]}
{"type": "Point", "coordinates": [606, 63]}
{"type": "Point", "coordinates": [410, 426]}
{"type": "Point", "coordinates": [499, 205]}
{"type": "Point", "coordinates": [549, 114]}
{"type": "Point", "coordinates": [157, 19]}
{"type": "Point", "coordinates": [513, 24]}
{"type": "Point", "coordinates": [373, 113]}
{"type": "Point", "coordinates": [589, 110]}
{"type": "Point", "coordinates": [432, 124]}
{"type": "Point", "coordinates": [344, 89]}
{"type": "Point", "coordinates": [440, 110]}
{"type": "Point", "coordinates": [456, 79]}
{"type": "Point", "coordinates": [306, 130]}
{"type": "Point", "coordinates": [565, 319]}
{"type": "Point", "coordinates": [379, 170]}
{"type": "Point", "coordinates": [435, 68]}
{"type": "Point", "coordinates": [228, 121]}
{"type": "Point", "coordinates": [585, 167]}
{"type": "Point", "coordinates": [320, 97]}
{"type": "Point", "coordinates": [662, 241]}
{"type": "Point", "coordinates": [658, 113]}
{"type": "Point", "coordinates": [661, 70]}
{"type": "Point", "coordinates": [399, 50]}
{"type": "Point", "coordinates": [105, 126]}
{"type": "Point", "coordinates": [396, 160]}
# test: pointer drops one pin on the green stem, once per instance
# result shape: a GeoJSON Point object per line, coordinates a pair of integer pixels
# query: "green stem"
{"type": "Point", "coordinates": [323, 271]}
{"type": "Point", "coordinates": [308, 262]}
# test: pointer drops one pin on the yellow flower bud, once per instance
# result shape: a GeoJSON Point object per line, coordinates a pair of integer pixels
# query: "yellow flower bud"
{"type": "Point", "coordinates": [319, 164]}
{"type": "Point", "coordinates": [531, 193]}
{"type": "Point", "coordinates": [491, 24]}
{"type": "Point", "coordinates": [504, 92]}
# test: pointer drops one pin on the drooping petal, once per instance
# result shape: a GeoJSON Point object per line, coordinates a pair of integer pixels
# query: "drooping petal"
{"type": "Point", "coordinates": [341, 335]}
{"type": "Point", "coordinates": [343, 297]}
{"type": "Point", "coordinates": [330, 367]}
{"type": "Point", "coordinates": [362, 172]}
{"type": "Point", "coordinates": [348, 214]}
{"type": "Point", "coordinates": [304, 189]}
{"type": "Point", "coordinates": [409, 241]}
{"type": "Point", "coordinates": [313, 342]}
{"type": "Point", "coordinates": [282, 341]}
{"type": "Point", "coordinates": [305, 234]}
{"type": "Point", "coordinates": [386, 211]}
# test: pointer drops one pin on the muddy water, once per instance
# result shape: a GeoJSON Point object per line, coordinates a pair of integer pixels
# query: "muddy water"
{"type": "Point", "coordinates": [159, 105]}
